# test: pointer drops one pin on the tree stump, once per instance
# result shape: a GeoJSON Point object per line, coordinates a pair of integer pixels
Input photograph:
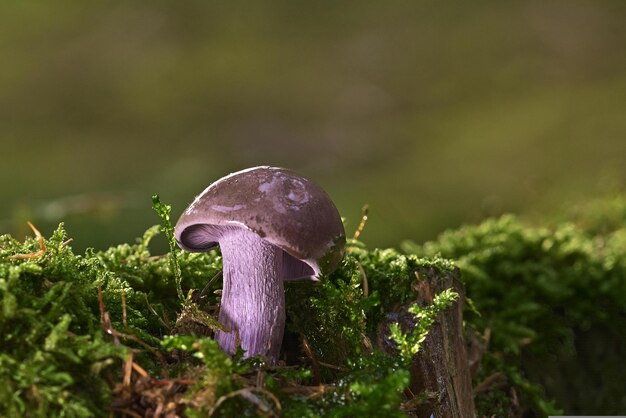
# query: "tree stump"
{"type": "Point", "coordinates": [440, 377]}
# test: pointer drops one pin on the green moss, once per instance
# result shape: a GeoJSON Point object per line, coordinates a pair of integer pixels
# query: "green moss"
{"type": "Point", "coordinates": [409, 344]}
{"type": "Point", "coordinates": [544, 293]}
{"type": "Point", "coordinates": [552, 299]}
{"type": "Point", "coordinates": [53, 354]}
{"type": "Point", "coordinates": [63, 348]}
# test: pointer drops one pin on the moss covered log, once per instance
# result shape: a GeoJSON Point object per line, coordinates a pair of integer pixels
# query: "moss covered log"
{"type": "Point", "coordinates": [104, 332]}
{"type": "Point", "coordinates": [126, 331]}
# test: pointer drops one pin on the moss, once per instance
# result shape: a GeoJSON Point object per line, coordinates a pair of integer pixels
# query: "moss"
{"type": "Point", "coordinates": [53, 355]}
{"type": "Point", "coordinates": [146, 342]}
{"type": "Point", "coordinates": [64, 346]}
{"type": "Point", "coordinates": [543, 293]}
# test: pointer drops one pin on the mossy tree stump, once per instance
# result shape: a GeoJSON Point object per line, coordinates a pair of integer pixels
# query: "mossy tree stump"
{"type": "Point", "coordinates": [440, 374]}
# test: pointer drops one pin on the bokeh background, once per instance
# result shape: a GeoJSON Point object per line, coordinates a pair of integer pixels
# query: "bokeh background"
{"type": "Point", "coordinates": [435, 114]}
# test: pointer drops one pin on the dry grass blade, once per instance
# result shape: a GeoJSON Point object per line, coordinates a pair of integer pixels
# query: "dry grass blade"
{"type": "Point", "coordinates": [314, 365]}
{"type": "Point", "coordinates": [140, 370]}
{"type": "Point", "coordinates": [164, 321]}
{"type": "Point", "coordinates": [124, 321]}
{"type": "Point", "coordinates": [107, 326]}
{"type": "Point", "coordinates": [491, 382]}
{"type": "Point", "coordinates": [105, 320]}
{"type": "Point", "coordinates": [206, 288]}
{"type": "Point", "coordinates": [128, 369]}
{"type": "Point", "coordinates": [248, 394]}
{"type": "Point", "coordinates": [42, 246]}
{"type": "Point", "coordinates": [359, 229]}
{"type": "Point", "coordinates": [332, 366]}
{"type": "Point", "coordinates": [364, 282]}
{"type": "Point", "coordinates": [310, 392]}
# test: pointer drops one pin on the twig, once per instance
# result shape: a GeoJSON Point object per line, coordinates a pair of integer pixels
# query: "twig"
{"type": "Point", "coordinates": [359, 229]}
{"type": "Point", "coordinates": [206, 288]}
{"type": "Point", "coordinates": [107, 326]}
{"type": "Point", "coordinates": [156, 353]}
{"type": "Point", "coordinates": [247, 393]}
{"type": "Point", "coordinates": [140, 370]}
{"type": "Point", "coordinates": [128, 369]}
{"type": "Point", "coordinates": [42, 246]}
{"type": "Point", "coordinates": [163, 322]}
{"type": "Point", "coordinates": [260, 377]}
{"type": "Point", "coordinates": [166, 382]}
{"type": "Point", "coordinates": [310, 391]}
{"type": "Point", "coordinates": [105, 319]}
{"type": "Point", "coordinates": [124, 309]}
{"type": "Point", "coordinates": [424, 289]}
{"type": "Point", "coordinates": [332, 366]}
{"type": "Point", "coordinates": [491, 382]}
{"type": "Point", "coordinates": [314, 365]}
{"type": "Point", "coordinates": [364, 282]}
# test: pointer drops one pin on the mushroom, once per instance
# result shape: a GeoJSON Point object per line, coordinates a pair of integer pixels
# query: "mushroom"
{"type": "Point", "coordinates": [271, 225]}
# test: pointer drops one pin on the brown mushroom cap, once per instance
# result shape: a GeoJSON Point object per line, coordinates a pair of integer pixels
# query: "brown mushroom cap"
{"type": "Point", "coordinates": [286, 209]}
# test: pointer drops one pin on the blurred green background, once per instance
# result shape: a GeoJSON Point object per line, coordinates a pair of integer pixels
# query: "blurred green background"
{"type": "Point", "coordinates": [433, 113]}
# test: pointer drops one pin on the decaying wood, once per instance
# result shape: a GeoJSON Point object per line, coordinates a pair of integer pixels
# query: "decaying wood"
{"type": "Point", "coordinates": [440, 376]}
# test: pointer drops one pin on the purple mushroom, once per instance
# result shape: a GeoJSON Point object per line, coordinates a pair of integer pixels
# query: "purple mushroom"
{"type": "Point", "coordinates": [271, 225]}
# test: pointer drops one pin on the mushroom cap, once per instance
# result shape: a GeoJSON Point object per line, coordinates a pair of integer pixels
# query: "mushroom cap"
{"type": "Point", "coordinates": [286, 209]}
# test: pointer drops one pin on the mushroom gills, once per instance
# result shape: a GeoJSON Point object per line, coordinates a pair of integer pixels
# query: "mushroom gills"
{"type": "Point", "coordinates": [203, 237]}
{"type": "Point", "coordinates": [294, 269]}
{"type": "Point", "coordinates": [200, 237]}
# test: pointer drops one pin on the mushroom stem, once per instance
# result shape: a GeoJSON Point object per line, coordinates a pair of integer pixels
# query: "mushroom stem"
{"type": "Point", "coordinates": [253, 298]}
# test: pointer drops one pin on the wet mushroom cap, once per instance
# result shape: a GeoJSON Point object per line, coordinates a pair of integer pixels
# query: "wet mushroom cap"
{"type": "Point", "coordinates": [284, 208]}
